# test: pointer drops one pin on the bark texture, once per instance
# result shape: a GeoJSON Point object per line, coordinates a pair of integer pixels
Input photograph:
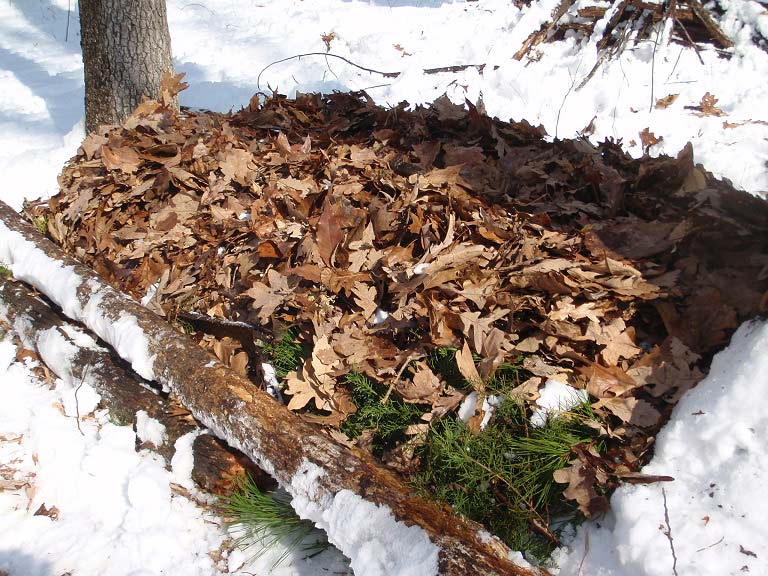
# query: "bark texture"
{"type": "Point", "coordinates": [215, 465]}
{"type": "Point", "coordinates": [126, 49]}
{"type": "Point", "coordinates": [277, 440]}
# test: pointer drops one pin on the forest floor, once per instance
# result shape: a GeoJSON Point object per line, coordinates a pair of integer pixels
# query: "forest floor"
{"type": "Point", "coordinates": [705, 522]}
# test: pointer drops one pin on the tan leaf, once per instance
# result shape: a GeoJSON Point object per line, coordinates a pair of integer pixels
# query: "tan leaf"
{"type": "Point", "coordinates": [581, 487]}
{"type": "Point", "coordinates": [707, 106]}
{"type": "Point", "coordinates": [329, 233]}
{"type": "Point", "coordinates": [365, 298]}
{"type": "Point", "coordinates": [170, 86]}
{"type": "Point", "coordinates": [631, 410]}
{"type": "Point", "coordinates": [424, 388]}
{"type": "Point", "coordinates": [648, 138]}
{"type": "Point", "coordinates": [120, 158]}
{"type": "Point", "coordinates": [665, 102]}
{"type": "Point", "coordinates": [467, 366]}
{"type": "Point", "coordinates": [235, 165]}
{"type": "Point", "coordinates": [265, 298]}
{"type": "Point", "coordinates": [617, 339]}
{"type": "Point", "coordinates": [668, 371]}
{"type": "Point", "coordinates": [605, 382]}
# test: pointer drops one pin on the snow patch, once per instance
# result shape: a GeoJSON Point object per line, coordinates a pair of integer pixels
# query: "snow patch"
{"type": "Point", "coordinates": [714, 446]}
{"type": "Point", "coordinates": [556, 397]}
{"type": "Point", "coordinates": [150, 430]}
{"type": "Point", "coordinates": [368, 534]}
{"type": "Point", "coordinates": [184, 459]}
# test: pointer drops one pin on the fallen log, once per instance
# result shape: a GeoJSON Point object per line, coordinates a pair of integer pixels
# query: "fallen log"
{"type": "Point", "coordinates": [366, 510]}
{"type": "Point", "coordinates": [42, 330]}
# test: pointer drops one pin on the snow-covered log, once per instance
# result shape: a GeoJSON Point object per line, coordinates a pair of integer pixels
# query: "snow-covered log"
{"type": "Point", "coordinates": [75, 357]}
{"type": "Point", "coordinates": [367, 511]}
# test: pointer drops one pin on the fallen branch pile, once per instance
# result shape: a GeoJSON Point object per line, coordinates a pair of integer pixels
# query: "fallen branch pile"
{"type": "Point", "coordinates": [381, 236]}
{"type": "Point", "coordinates": [628, 22]}
{"type": "Point", "coordinates": [45, 333]}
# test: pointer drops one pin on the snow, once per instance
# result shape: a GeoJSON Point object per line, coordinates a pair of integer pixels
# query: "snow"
{"type": "Point", "coordinates": [30, 264]}
{"type": "Point", "coordinates": [150, 430]}
{"type": "Point", "coordinates": [270, 379]}
{"type": "Point", "coordinates": [715, 448]}
{"type": "Point", "coordinates": [376, 543]}
{"type": "Point", "coordinates": [556, 397]}
{"type": "Point", "coordinates": [132, 522]}
{"type": "Point", "coordinates": [183, 459]}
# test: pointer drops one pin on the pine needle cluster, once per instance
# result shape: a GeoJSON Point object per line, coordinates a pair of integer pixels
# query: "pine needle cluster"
{"type": "Point", "coordinates": [386, 419]}
{"type": "Point", "coordinates": [502, 476]}
{"type": "Point", "coordinates": [286, 353]}
{"type": "Point", "coordinates": [260, 521]}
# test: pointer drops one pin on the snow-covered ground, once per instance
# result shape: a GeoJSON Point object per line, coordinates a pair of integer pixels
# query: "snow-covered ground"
{"type": "Point", "coordinates": [117, 510]}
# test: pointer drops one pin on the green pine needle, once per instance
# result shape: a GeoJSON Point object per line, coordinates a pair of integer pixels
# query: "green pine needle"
{"type": "Point", "coordinates": [262, 520]}
{"type": "Point", "coordinates": [388, 420]}
{"type": "Point", "coordinates": [286, 354]}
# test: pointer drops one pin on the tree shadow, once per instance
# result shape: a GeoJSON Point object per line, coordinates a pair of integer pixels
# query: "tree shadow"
{"type": "Point", "coordinates": [224, 96]}
{"type": "Point", "coordinates": [51, 19]}
{"type": "Point", "coordinates": [407, 3]}
{"type": "Point", "coordinates": [63, 94]}
{"type": "Point", "coordinates": [18, 563]}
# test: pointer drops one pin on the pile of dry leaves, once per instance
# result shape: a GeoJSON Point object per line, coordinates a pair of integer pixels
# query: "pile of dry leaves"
{"type": "Point", "coordinates": [381, 234]}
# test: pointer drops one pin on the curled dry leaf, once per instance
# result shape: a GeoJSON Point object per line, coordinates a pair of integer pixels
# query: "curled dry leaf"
{"type": "Point", "coordinates": [581, 480]}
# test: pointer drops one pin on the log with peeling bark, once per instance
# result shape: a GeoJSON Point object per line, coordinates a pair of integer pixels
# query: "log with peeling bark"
{"type": "Point", "coordinates": [41, 329]}
{"type": "Point", "coordinates": [330, 481]}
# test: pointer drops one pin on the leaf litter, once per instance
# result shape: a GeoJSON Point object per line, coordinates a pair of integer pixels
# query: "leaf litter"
{"type": "Point", "coordinates": [381, 237]}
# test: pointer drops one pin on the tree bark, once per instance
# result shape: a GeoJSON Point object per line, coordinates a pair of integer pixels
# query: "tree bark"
{"type": "Point", "coordinates": [314, 467]}
{"type": "Point", "coordinates": [215, 465]}
{"type": "Point", "coordinates": [126, 49]}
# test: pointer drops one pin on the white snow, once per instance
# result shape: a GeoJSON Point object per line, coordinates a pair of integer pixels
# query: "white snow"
{"type": "Point", "coordinates": [150, 430]}
{"type": "Point", "coordinates": [131, 521]}
{"type": "Point", "coordinates": [376, 543]}
{"type": "Point", "coordinates": [467, 407]}
{"type": "Point", "coordinates": [715, 448]}
{"type": "Point", "coordinates": [116, 512]}
{"type": "Point", "coordinates": [556, 397]}
{"type": "Point", "coordinates": [183, 459]}
{"type": "Point", "coordinates": [270, 377]}
{"type": "Point", "coordinates": [32, 265]}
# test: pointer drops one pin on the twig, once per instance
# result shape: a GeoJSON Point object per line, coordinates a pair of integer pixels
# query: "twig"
{"type": "Point", "coordinates": [77, 404]}
{"type": "Point", "coordinates": [457, 68]}
{"type": "Point", "coordinates": [324, 54]}
{"type": "Point", "coordinates": [69, 11]}
{"type": "Point", "coordinates": [711, 545]}
{"type": "Point", "coordinates": [710, 24]}
{"type": "Point", "coordinates": [690, 40]}
{"type": "Point", "coordinates": [586, 550]}
{"type": "Point", "coordinates": [439, 70]}
{"type": "Point", "coordinates": [668, 532]}
{"type": "Point", "coordinates": [570, 89]}
{"type": "Point", "coordinates": [408, 360]}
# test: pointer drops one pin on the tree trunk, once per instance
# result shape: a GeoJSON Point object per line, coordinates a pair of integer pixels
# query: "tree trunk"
{"type": "Point", "coordinates": [126, 49]}
{"type": "Point", "coordinates": [330, 480]}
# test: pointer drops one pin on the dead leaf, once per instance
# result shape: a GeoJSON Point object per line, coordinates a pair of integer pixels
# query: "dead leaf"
{"type": "Point", "coordinates": [467, 366]}
{"type": "Point", "coordinates": [648, 138]}
{"type": "Point", "coordinates": [631, 411]}
{"type": "Point", "coordinates": [666, 101]}
{"type": "Point", "coordinates": [267, 298]}
{"type": "Point", "coordinates": [120, 158]}
{"type": "Point", "coordinates": [329, 233]}
{"type": "Point", "coordinates": [581, 487]}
